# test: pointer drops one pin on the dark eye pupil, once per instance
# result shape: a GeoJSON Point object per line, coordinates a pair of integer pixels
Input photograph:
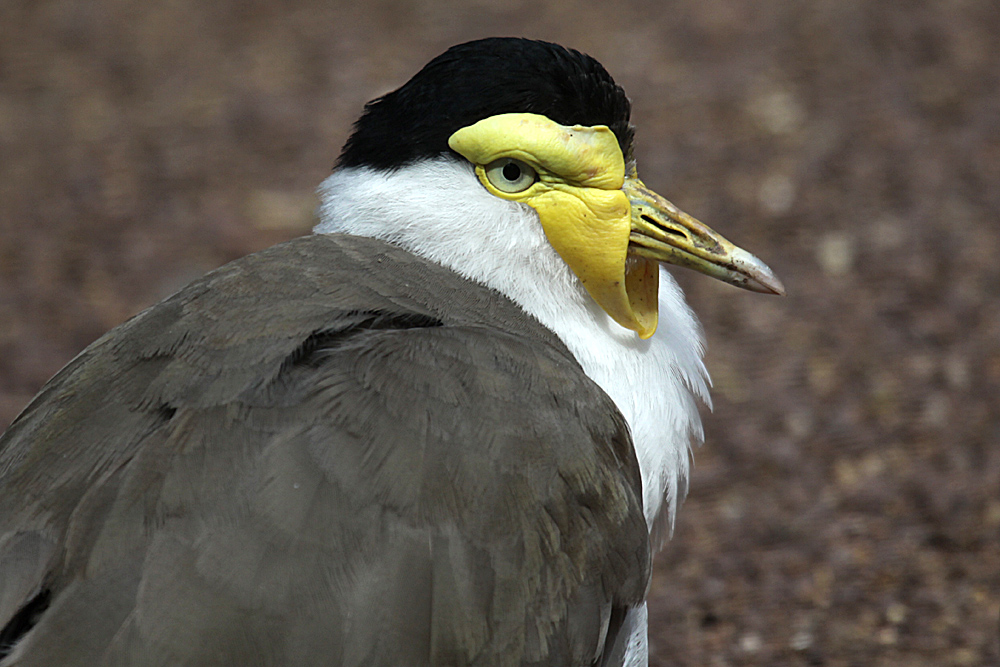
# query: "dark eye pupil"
{"type": "Point", "coordinates": [511, 171]}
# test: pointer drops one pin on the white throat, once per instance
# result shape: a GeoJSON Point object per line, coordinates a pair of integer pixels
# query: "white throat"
{"type": "Point", "coordinates": [439, 210]}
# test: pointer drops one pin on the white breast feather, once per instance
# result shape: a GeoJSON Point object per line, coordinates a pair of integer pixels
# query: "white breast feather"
{"type": "Point", "coordinates": [439, 210]}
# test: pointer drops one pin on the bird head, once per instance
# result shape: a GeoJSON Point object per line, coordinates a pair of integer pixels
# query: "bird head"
{"type": "Point", "coordinates": [548, 127]}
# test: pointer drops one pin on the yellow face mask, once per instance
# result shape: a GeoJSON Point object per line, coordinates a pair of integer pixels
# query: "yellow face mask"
{"type": "Point", "coordinates": [609, 229]}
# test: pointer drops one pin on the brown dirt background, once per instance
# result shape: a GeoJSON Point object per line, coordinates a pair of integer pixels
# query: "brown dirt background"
{"type": "Point", "coordinates": [846, 507]}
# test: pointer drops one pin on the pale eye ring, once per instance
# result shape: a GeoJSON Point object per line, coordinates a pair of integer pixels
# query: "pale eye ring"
{"type": "Point", "coordinates": [510, 175]}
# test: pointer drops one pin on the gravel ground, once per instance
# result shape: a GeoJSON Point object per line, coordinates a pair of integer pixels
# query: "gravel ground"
{"type": "Point", "coordinates": [845, 509]}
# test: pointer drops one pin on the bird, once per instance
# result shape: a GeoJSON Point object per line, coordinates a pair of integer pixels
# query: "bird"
{"type": "Point", "coordinates": [450, 427]}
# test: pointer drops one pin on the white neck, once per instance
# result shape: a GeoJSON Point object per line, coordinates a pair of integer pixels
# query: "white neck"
{"type": "Point", "coordinates": [439, 210]}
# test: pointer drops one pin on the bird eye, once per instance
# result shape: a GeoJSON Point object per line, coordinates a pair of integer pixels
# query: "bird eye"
{"type": "Point", "coordinates": [510, 175]}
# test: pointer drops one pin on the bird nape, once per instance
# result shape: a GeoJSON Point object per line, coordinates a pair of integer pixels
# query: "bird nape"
{"type": "Point", "coordinates": [440, 430]}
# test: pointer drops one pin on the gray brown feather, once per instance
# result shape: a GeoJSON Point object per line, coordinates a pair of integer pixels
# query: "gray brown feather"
{"type": "Point", "coordinates": [330, 452]}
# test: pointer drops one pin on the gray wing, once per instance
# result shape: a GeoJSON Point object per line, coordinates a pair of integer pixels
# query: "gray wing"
{"type": "Point", "coordinates": [332, 453]}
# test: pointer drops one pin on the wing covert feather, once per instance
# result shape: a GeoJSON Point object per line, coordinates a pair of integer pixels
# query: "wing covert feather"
{"type": "Point", "coordinates": [331, 448]}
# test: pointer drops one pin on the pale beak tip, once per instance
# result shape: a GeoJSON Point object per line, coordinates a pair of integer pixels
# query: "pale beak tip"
{"type": "Point", "coordinates": [760, 277]}
{"type": "Point", "coordinates": [772, 285]}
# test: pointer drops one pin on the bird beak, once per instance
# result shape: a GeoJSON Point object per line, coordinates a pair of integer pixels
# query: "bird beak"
{"type": "Point", "coordinates": [662, 232]}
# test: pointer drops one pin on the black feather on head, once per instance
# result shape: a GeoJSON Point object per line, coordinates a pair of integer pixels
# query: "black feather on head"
{"type": "Point", "coordinates": [479, 79]}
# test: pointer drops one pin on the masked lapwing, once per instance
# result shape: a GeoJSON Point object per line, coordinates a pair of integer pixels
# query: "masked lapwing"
{"type": "Point", "coordinates": [449, 428]}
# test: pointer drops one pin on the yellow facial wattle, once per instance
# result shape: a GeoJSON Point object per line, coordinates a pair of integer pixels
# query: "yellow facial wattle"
{"type": "Point", "coordinates": [609, 228]}
{"type": "Point", "coordinates": [585, 214]}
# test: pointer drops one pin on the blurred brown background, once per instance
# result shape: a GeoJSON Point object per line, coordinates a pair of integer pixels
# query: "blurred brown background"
{"type": "Point", "coordinates": [846, 507]}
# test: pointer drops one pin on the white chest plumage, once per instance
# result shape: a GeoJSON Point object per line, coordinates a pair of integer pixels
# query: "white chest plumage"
{"type": "Point", "coordinates": [439, 210]}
